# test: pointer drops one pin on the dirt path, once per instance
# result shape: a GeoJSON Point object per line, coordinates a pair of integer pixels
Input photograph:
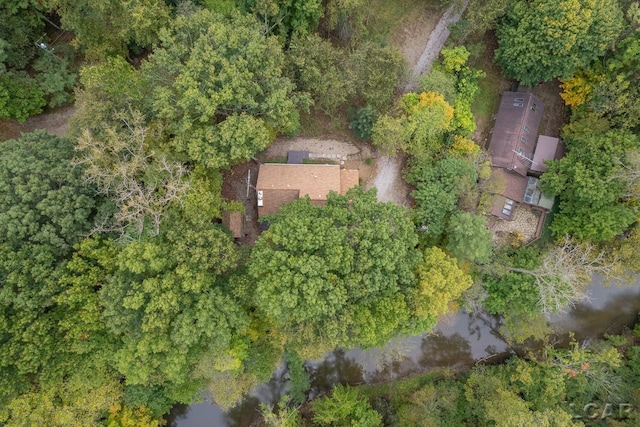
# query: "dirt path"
{"type": "Point", "coordinates": [436, 41]}
{"type": "Point", "coordinates": [414, 32]}
{"type": "Point", "coordinates": [55, 122]}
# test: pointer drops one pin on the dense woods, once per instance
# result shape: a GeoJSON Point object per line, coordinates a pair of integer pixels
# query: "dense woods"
{"type": "Point", "coordinates": [122, 294]}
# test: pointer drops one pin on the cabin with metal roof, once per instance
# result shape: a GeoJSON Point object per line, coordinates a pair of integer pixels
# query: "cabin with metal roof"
{"type": "Point", "coordinates": [518, 154]}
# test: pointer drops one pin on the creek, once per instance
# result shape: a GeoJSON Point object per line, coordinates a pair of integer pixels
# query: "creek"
{"type": "Point", "coordinates": [459, 340]}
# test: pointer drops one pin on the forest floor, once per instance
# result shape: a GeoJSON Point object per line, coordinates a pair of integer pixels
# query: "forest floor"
{"type": "Point", "coordinates": [414, 35]}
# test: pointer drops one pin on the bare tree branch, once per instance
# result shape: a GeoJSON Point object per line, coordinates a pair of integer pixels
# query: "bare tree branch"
{"type": "Point", "coordinates": [124, 166]}
{"type": "Point", "coordinates": [565, 272]}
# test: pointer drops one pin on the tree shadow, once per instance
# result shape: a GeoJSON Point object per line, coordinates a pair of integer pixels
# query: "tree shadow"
{"type": "Point", "coordinates": [334, 369]}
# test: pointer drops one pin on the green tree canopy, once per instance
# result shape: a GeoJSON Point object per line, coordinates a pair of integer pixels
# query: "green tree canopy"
{"type": "Point", "coordinates": [167, 302]}
{"type": "Point", "coordinates": [438, 188]}
{"type": "Point", "coordinates": [606, 88]}
{"type": "Point", "coordinates": [44, 210]}
{"type": "Point", "coordinates": [318, 67]}
{"type": "Point", "coordinates": [543, 39]}
{"type": "Point", "coordinates": [419, 130]}
{"type": "Point", "coordinates": [345, 406]}
{"type": "Point", "coordinates": [440, 281]}
{"type": "Point", "coordinates": [110, 27]}
{"type": "Point", "coordinates": [218, 85]}
{"type": "Point", "coordinates": [288, 18]}
{"type": "Point", "coordinates": [108, 88]}
{"type": "Point", "coordinates": [469, 239]}
{"type": "Point", "coordinates": [33, 73]}
{"type": "Point", "coordinates": [367, 74]}
{"type": "Point", "coordinates": [591, 182]}
{"type": "Point", "coordinates": [336, 275]}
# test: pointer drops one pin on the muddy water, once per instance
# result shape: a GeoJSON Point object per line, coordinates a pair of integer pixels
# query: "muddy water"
{"type": "Point", "coordinates": [459, 340]}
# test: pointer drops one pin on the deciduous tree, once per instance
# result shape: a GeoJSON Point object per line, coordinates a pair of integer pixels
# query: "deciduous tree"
{"type": "Point", "coordinates": [318, 67]}
{"type": "Point", "coordinates": [469, 239]}
{"type": "Point", "coordinates": [438, 188]}
{"type": "Point", "coordinates": [105, 28]}
{"type": "Point", "coordinates": [345, 407]}
{"type": "Point", "coordinates": [218, 85]}
{"type": "Point", "coordinates": [168, 305]}
{"type": "Point", "coordinates": [336, 275]}
{"type": "Point", "coordinates": [591, 182]}
{"type": "Point", "coordinates": [564, 273]}
{"type": "Point", "coordinates": [544, 39]}
{"type": "Point", "coordinates": [440, 281]}
{"type": "Point", "coordinates": [419, 129]}
{"type": "Point", "coordinates": [45, 209]}
{"type": "Point", "coordinates": [288, 18]}
{"type": "Point", "coordinates": [126, 165]}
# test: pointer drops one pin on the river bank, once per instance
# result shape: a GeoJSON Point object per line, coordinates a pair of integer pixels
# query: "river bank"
{"type": "Point", "coordinates": [458, 342]}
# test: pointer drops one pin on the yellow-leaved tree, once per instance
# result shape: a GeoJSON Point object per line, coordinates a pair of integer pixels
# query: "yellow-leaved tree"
{"type": "Point", "coordinates": [440, 281]}
{"type": "Point", "coordinates": [419, 130]}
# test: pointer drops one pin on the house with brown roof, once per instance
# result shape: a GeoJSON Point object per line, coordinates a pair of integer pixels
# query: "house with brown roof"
{"type": "Point", "coordinates": [282, 183]}
{"type": "Point", "coordinates": [518, 154]}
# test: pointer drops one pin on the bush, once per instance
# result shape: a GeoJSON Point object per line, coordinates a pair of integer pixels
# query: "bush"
{"type": "Point", "coordinates": [363, 122]}
{"type": "Point", "coordinates": [345, 407]}
{"type": "Point", "coordinates": [20, 96]}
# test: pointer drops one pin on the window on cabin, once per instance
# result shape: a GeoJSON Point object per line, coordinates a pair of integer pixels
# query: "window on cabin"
{"type": "Point", "coordinates": [523, 139]}
{"type": "Point", "coordinates": [526, 128]}
{"type": "Point", "coordinates": [518, 100]}
{"type": "Point", "coordinates": [533, 107]}
{"type": "Point", "coordinates": [518, 104]}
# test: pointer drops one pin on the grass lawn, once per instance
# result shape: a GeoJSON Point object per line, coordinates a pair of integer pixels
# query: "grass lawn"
{"type": "Point", "coordinates": [385, 17]}
{"type": "Point", "coordinates": [487, 101]}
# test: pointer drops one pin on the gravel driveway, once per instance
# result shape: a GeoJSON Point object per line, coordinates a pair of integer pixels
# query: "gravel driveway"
{"type": "Point", "coordinates": [388, 180]}
{"type": "Point", "coordinates": [327, 148]}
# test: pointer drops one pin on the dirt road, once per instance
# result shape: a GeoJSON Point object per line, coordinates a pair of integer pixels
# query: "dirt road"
{"type": "Point", "coordinates": [436, 42]}
{"type": "Point", "coordinates": [388, 180]}
{"type": "Point", "coordinates": [55, 122]}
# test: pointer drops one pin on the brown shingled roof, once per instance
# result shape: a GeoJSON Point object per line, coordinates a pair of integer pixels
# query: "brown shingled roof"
{"type": "Point", "coordinates": [233, 221]}
{"type": "Point", "coordinates": [515, 187]}
{"type": "Point", "coordinates": [349, 178]}
{"type": "Point", "coordinates": [282, 183]}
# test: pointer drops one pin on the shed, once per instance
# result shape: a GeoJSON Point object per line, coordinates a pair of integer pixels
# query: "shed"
{"type": "Point", "coordinates": [233, 221]}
